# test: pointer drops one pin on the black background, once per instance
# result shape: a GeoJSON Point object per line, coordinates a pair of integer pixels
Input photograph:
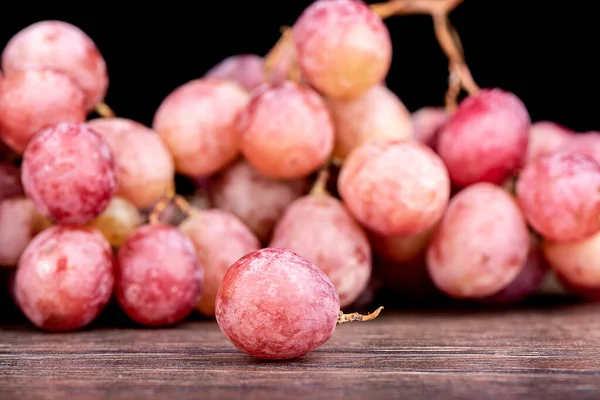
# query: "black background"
{"type": "Point", "coordinates": [547, 55]}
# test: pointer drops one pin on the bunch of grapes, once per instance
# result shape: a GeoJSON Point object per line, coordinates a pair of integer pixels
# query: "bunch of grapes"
{"type": "Point", "coordinates": [315, 187]}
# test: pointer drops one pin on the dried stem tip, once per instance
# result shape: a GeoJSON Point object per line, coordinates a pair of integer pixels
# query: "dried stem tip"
{"type": "Point", "coordinates": [343, 318]}
{"type": "Point", "coordinates": [161, 205]}
{"type": "Point", "coordinates": [103, 110]}
{"type": "Point", "coordinates": [320, 186]}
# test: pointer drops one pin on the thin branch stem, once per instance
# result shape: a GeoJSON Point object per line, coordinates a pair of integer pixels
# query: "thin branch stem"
{"type": "Point", "coordinates": [103, 110]}
{"type": "Point", "coordinates": [343, 318]}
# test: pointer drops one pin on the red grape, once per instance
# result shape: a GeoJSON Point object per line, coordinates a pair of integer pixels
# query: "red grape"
{"type": "Point", "coordinates": [546, 137]}
{"type": "Point", "coordinates": [257, 200]}
{"type": "Point", "coordinates": [197, 123]}
{"type": "Point", "coordinates": [427, 123]}
{"type": "Point", "coordinates": [343, 47]}
{"type": "Point", "coordinates": [486, 139]}
{"type": "Point", "coordinates": [10, 181]}
{"type": "Point", "coordinates": [378, 113]}
{"type": "Point", "coordinates": [560, 195]}
{"type": "Point", "coordinates": [220, 239]}
{"type": "Point", "coordinates": [64, 278]}
{"type": "Point", "coordinates": [117, 221]}
{"type": "Point", "coordinates": [159, 279]}
{"type": "Point", "coordinates": [286, 131]}
{"type": "Point", "coordinates": [481, 244]}
{"type": "Point", "coordinates": [33, 99]}
{"type": "Point", "coordinates": [319, 228]}
{"type": "Point", "coordinates": [63, 47]}
{"type": "Point", "coordinates": [394, 187]}
{"type": "Point", "coordinates": [69, 172]}
{"type": "Point", "coordinates": [145, 167]}
{"type": "Point", "coordinates": [274, 304]}
{"type": "Point", "coordinates": [245, 69]}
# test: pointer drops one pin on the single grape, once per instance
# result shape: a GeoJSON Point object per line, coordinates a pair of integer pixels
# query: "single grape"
{"type": "Point", "coordinates": [159, 279]}
{"type": "Point", "coordinates": [343, 47]}
{"type": "Point", "coordinates": [378, 113]}
{"type": "Point", "coordinates": [401, 248]}
{"type": "Point", "coordinates": [559, 194]}
{"type": "Point", "coordinates": [63, 47]}
{"type": "Point", "coordinates": [20, 221]}
{"type": "Point", "coordinates": [286, 131]}
{"type": "Point", "coordinates": [481, 244]}
{"type": "Point", "coordinates": [197, 123]}
{"type": "Point", "coordinates": [486, 139]}
{"type": "Point", "coordinates": [220, 239]}
{"type": "Point", "coordinates": [69, 172]}
{"type": "Point", "coordinates": [245, 69]}
{"type": "Point", "coordinates": [64, 278]}
{"type": "Point", "coordinates": [546, 137]}
{"type": "Point", "coordinates": [34, 99]}
{"type": "Point", "coordinates": [319, 228]}
{"type": "Point", "coordinates": [146, 169]}
{"type": "Point", "coordinates": [257, 200]}
{"type": "Point", "coordinates": [395, 187]}
{"type": "Point", "coordinates": [117, 221]}
{"type": "Point", "coordinates": [427, 123]}
{"type": "Point", "coordinates": [10, 181]}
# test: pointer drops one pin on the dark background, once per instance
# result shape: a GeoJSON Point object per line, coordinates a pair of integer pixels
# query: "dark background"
{"type": "Point", "coordinates": [547, 55]}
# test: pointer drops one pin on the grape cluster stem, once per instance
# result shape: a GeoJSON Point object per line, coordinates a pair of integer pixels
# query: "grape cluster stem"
{"type": "Point", "coordinates": [343, 318]}
{"type": "Point", "coordinates": [103, 110]}
{"type": "Point", "coordinates": [170, 197]}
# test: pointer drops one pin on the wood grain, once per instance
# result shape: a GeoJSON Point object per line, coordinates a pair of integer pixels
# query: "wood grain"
{"type": "Point", "coordinates": [535, 352]}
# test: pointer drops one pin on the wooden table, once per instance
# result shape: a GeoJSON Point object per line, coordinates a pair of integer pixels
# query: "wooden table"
{"type": "Point", "coordinates": [542, 351]}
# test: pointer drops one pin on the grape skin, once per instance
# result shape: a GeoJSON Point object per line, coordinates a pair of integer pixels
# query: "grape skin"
{"type": "Point", "coordinates": [481, 244]}
{"type": "Point", "coordinates": [159, 279]}
{"type": "Point", "coordinates": [64, 278]}
{"type": "Point", "coordinates": [34, 99]}
{"type": "Point", "coordinates": [145, 167]}
{"type": "Point", "coordinates": [117, 221]}
{"type": "Point", "coordinates": [197, 123]}
{"type": "Point", "coordinates": [546, 137]}
{"type": "Point", "coordinates": [61, 46]}
{"type": "Point", "coordinates": [394, 187]}
{"type": "Point", "coordinates": [587, 143]}
{"type": "Point", "coordinates": [486, 139]}
{"type": "Point", "coordinates": [343, 47]}
{"type": "Point", "coordinates": [286, 131]}
{"type": "Point", "coordinates": [220, 239]}
{"type": "Point", "coordinates": [319, 228]}
{"type": "Point", "coordinates": [378, 113]}
{"type": "Point", "coordinates": [427, 123]}
{"type": "Point", "coordinates": [275, 305]}
{"type": "Point", "coordinates": [257, 200]}
{"type": "Point", "coordinates": [10, 181]}
{"type": "Point", "coordinates": [69, 173]}
{"type": "Point", "coordinates": [401, 248]}
{"type": "Point", "coordinates": [559, 194]}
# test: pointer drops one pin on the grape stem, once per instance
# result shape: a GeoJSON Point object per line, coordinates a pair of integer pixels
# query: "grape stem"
{"type": "Point", "coordinates": [284, 47]}
{"type": "Point", "coordinates": [320, 186]}
{"type": "Point", "coordinates": [179, 201]}
{"type": "Point", "coordinates": [103, 110]}
{"type": "Point", "coordinates": [343, 318]}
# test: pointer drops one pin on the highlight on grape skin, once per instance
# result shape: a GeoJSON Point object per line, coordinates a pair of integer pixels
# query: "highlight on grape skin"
{"type": "Point", "coordinates": [69, 173]}
{"type": "Point", "coordinates": [378, 113]}
{"type": "Point", "coordinates": [199, 117]}
{"type": "Point", "coordinates": [486, 139]}
{"type": "Point", "coordinates": [64, 278]}
{"type": "Point", "coordinates": [387, 197]}
{"type": "Point", "coordinates": [33, 99]}
{"type": "Point", "coordinates": [63, 47]}
{"type": "Point", "coordinates": [560, 195]}
{"type": "Point", "coordinates": [220, 239]}
{"type": "Point", "coordinates": [145, 167]}
{"type": "Point", "coordinates": [286, 131]}
{"type": "Point", "coordinates": [117, 221]}
{"type": "Point", "coordinates": [343, 47]}
{"type": "Point", "coordinates": [159, 279]}
{"type": "Point", "coordinates": [546, 137]}
{"type": "Point", "coordinates": [480, 245]}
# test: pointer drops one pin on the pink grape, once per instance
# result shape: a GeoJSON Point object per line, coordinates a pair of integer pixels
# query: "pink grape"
{"type": "Point", "coordinates": [560, 195]}
{"type": "Point", "coordinates": [63, 47]}
{"type": "Point", "coordinates": [546, 137]}
{"type": "Point", "coordinates": [117, 221]}
{"type": "Point", "coordinates": [481, 244]}
{"type": "Point", "coordinates": [587, 143]}
{"type": "Point", "coordinates": [69, 173]}
{"type": "Point", "coordinates": [378, 113]}
{"type": "Point", "coordinates": [220, 239]}
{"type": "Point", "coordinates": [286, 131]}
{"type": "Point", "coordinates": [10, 181]}
{"type": "Point", "coordinates": [319, 228]}
{"type": "Point", "coordinates": [146, 169]}
{"type": "Point", "coordinates": [486, 139]}
{"type": "Point", "coordinates": [387, 197]}
{"type": "Point", "coordinates": [427, 123]}
{"type": "Point", "coordinates": [159, 279]}
{"type": "Point", "coordinates": [245, 69]}
{"type": "Point", "coordinates": [64, 278]}
{"type": "Point", "coordinates": [274, 304]}
{"type": "Point", "coordinates": [257, 200]}
{"type": "Point", "coordinates": [19, 223]}
{"type": "Point", "coordinates": [34, 99]}
{"type": "Point", "coordinates": [343, 47]}
{"type": "Point", "coordinates": [197, 123]}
